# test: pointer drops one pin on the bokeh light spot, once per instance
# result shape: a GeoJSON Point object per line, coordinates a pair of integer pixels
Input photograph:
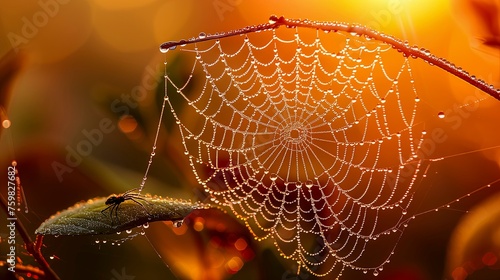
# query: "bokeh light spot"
{"type": "Point", "coordinates": [234, 264]}
{"type": "Point", "coordinates": [199, 224]}
{"type": "Point", "coordinates": [240, 244]}
{"type": "Point", "coordinates": [6, 124]}
{"type": "Point", "coordinates": [489, 259]}
{"type": "Point", "coordinates": [127, 124]}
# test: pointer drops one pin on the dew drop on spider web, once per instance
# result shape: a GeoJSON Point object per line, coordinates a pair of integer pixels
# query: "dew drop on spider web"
{"type": "Point", "coordinates": [441, 115]}
{"type": "Point", "coordinates": [309, 184]}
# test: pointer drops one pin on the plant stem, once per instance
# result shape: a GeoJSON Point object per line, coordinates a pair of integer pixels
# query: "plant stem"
{"type": "Point", "coordinates": [34, 248]}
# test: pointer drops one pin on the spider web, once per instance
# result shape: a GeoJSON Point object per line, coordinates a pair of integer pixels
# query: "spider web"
{"type": "Point", "coordinates": [312, 138]}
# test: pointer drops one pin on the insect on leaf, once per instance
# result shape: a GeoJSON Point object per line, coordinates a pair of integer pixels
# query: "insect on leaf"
{"type": "Point", "coordinates": [88, 218]}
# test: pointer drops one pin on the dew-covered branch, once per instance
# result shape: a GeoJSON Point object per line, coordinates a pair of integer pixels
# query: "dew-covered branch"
{"type": "Point", "coordinates": [354, 29]}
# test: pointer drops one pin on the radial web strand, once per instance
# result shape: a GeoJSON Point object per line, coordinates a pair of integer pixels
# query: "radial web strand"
{"type": "Point", "coordinates": [312, 138]}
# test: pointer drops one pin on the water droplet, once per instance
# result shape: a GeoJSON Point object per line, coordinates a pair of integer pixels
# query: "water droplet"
{"type": "Point", "coordinates": [441, 115]}
{"type": "Point", "coordinates": [104, 241]}
{"type": "Point", "coordinates": [273, 177]}
{"type": "Point", "coordinates": [146, 225]}
{"type": "Point", "coordinates": [97, 241]}
{"type": "Point", "coordinates": [52, 257]}
{"type": "Point", "coordinates": [309, 184]}
{"type": "Point", "coordinates": [177, 223]}
{"type": "Point", "coordinates": [273, 19]}
{"type": "Point", "coordinates": [118, 232]}
{"type": "Point", "coordinates": [163, 50]}
{"type": "Point", "coordinates": [202, 35]}
{"type": "Point", "coordinates": [128, 231]}
{"type": "Point", "coordinates": [375, 273]}
{"type": "Point", "coordinates": [165, 47]}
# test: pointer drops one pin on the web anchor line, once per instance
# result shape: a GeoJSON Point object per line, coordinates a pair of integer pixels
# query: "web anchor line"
{"type": "Point", "coordinates": [400, 45]}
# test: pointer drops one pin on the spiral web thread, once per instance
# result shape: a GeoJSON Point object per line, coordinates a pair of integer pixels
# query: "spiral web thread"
{"type": "Point", "coordinates": [310, 137]}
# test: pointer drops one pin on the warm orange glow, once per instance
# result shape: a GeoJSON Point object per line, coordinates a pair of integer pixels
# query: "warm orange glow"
{"type": "Point", "coordinates": [44, 31]}
{"type": "Point", "coordinates": [178, 24]}
{"type": "Point", "coordinates": [240, 244]}
{"type": "Point", "coordinates": [121, 4]}
{"type": "Point", "coordinates": [215, 242]}
{"type": "Point", "coordinates": [424, 13]}
{"type": "Point", "coordinates": [137, 21]}
{"type": "Point", "coordinates": [220, 227]}
{"type": "Point", "coordinates": [217, 259]}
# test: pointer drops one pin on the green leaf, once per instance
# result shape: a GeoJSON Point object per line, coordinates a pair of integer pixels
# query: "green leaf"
{"type": "Point", "coordinates": [91, 218]}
